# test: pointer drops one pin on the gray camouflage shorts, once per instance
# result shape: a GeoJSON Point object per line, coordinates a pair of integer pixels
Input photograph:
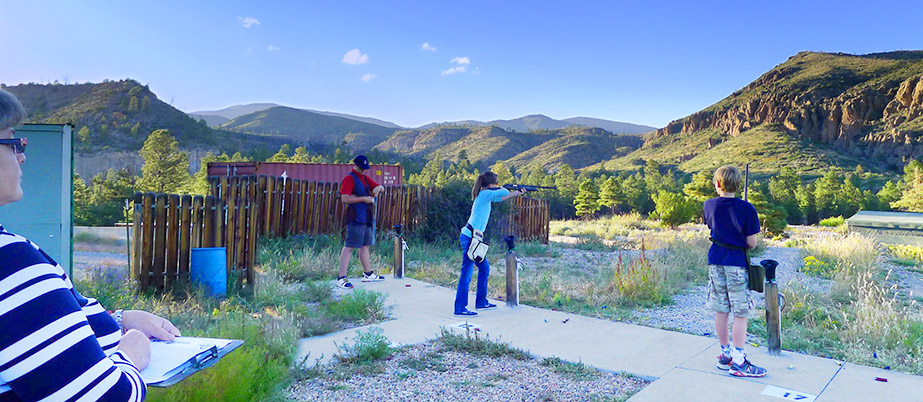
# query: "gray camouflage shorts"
{"type": "Point", "coordinates": [727, 290]}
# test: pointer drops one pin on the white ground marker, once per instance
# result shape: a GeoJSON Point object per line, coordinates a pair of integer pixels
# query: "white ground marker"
{"type": "Point", "coordinates": [789, 394]}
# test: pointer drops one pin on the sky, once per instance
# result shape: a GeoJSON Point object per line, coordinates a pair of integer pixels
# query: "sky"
{"type": "Point", "coordinates": [418, 62]}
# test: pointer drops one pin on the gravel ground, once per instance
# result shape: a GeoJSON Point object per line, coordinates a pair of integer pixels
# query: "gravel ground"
{"type": "Point", "coordinates": [86, 261]}
{"type": "Point", "coordinates": [689, 314]}
{"type": "Point", "coordinates": [462, 377]}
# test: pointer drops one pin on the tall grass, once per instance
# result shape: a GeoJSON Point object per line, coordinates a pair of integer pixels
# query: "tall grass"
{"type": "Point", "coordinates": [293, 299]}
{"type": "Point", "coordinates": [851, 256]}
{"type": "Point", "coordinates": [863, 319]}
{"type": "Point", "coordinates": [603, 228]}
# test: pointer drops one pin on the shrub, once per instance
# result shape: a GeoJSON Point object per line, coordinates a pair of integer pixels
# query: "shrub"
{"type": "Point", "coordinates": [833, 221]}
{"type": "Point", "coordinates": [360, 306]}
{"type": "Point", "coordinates": [673, 209]}
{"type": "Point", "coordinates": [819, 268]}
{"type": "Point", "coordinates": [370, 346]}
{"type": "Point", "coordinates": [574, 371]}
{"type": "Point", "coordinates": [477, 346]}
{"type": "Point", "coordinates": [639, 281]}
{"type": "Point", "coordinates": [906, 251]}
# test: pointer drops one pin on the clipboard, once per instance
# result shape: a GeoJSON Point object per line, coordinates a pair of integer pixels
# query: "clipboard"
{"type": "Point", "coordinates": [204, 359]}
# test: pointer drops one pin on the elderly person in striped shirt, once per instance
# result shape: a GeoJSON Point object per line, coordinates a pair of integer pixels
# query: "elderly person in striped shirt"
{"type": "Point", "coordinates": [56, 345]}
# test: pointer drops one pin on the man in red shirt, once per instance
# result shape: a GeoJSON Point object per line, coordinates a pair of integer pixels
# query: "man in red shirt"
{"type": "Point", "coordinates": [358, 192]}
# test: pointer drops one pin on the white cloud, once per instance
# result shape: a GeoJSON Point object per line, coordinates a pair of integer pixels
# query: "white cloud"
{"type": "Point", "coordinates": [248, 21]}
{"type": "Point", "coordinates": [368, 77]}
{"type": "Point", "coordinates": [453, 70]}
{"type": "Point", "coordinates": [355, 57]}
{"type": "Point", "coordinates": [461, 61]}
{"type": "Point", "coordinates": [426, 46]}
{"type": "Point", "coordinates": [273, 48]}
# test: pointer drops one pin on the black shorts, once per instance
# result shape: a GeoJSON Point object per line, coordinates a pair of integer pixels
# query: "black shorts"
{"type": "Point", "coordinates": [359, 235]}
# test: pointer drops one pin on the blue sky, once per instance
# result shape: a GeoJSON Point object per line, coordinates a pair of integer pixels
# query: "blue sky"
{"type": "Point", "coordinates": [625, 61]}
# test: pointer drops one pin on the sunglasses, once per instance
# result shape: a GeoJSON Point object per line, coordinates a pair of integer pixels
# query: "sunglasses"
{"type": "Point", "coordinates": [18, 144]}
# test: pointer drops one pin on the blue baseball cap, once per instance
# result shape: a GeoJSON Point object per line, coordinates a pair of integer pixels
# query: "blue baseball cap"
{"type": "Point", "coordinates": [362, 162]}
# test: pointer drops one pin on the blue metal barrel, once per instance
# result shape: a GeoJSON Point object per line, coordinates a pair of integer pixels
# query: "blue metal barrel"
{"type": "Point", "coordinates": [208, 268]}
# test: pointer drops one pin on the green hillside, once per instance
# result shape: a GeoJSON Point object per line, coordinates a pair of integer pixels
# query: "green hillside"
{"type": "Point", "coordinates": [303, 126]}
{"type": "Point", "coordinates": [576, 146]}
{"type": "Point", "coordinates": [813, 112]}
{"type": "Point", "coordinates": [119, 115]}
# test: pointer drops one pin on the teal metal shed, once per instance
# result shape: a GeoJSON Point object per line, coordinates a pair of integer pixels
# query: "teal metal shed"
{"type": "Point", "coordinates": [45, 213]}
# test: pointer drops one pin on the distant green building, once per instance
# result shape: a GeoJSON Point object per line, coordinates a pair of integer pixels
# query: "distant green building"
{"type": "Point", "coordinates": [889, 227]}
{"type": "Point", "coordinates": [45, 213]}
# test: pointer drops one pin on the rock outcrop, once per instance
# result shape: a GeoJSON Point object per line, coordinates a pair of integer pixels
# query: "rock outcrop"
{"type": "Point", "coordinates": [857, 112]}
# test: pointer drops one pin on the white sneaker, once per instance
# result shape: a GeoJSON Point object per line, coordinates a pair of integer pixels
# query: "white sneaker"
{"type": "Point", "coordinates": [343, 283]}
{"type": "Point", "coordinates": [371, 276]}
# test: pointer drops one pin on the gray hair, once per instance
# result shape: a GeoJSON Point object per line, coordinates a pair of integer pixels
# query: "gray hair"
{"type": "Point", "coordinates": [11, 111]}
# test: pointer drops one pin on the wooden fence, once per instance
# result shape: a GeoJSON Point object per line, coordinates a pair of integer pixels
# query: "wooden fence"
{"type": "Point", "coordinates": [241, 209]}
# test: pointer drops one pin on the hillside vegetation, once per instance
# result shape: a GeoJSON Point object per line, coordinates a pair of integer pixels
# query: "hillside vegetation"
{"type": "Point", "coordinates": [119, 115]}
{"type": "Point", "coordinates": [815, 111]}
{"type": "Point", "coordinates": [301, 126]}
{"type": "Point", "coordinates": [578, 147]}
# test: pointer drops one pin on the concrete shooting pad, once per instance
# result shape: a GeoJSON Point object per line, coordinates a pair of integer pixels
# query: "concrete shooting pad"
{"type": "Point", "coordinates": [680, 366]}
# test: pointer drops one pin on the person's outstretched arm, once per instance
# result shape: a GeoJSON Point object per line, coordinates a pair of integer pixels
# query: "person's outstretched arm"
{"type": "Point", "coordinates": [48, 351]}
{"type": "Point", "coordinates": [512, 194]}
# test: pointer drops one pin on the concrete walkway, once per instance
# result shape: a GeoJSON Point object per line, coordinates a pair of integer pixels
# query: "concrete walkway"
{"type": "Point", "coordinates": [681, 366]}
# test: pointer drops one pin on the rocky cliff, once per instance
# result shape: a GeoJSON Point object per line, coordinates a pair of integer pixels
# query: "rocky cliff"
{"type": "Point", "coordinates": [863, 106]}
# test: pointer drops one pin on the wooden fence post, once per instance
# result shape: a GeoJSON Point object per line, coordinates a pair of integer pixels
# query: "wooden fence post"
{"type": "Point", "coordinates": [160, 239]}
{"type": "Point", "coordinates": [185, 227]}
{"type": "Point", "coordinates": [172, 265]}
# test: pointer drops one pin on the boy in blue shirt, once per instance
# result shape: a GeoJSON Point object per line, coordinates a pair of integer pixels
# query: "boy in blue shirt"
{"type": "Point", "coordinates": [733, 222]}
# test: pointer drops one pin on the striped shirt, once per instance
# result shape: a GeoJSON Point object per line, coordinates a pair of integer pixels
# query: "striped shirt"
{"type": "Point", "coordinates": [56, 345]}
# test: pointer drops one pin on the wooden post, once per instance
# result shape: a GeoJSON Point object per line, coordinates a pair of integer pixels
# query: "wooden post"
{"type": "Point", "coordinates": [512, 280]}
{"type": "Point", "coordinates": [137, 231]}
{"type": "Point", "coordinates": [147, 241]}
{"type": "Point", "coordinates": [398, 256]}
{"type": "Point", "coordinates": [172, 225]}
{"type": "Point", "coordinates": [160, 240]}
{"type": "Point", "coordinates": [773, 323]}
{"type": "Point", "coordinates": [185, 228]}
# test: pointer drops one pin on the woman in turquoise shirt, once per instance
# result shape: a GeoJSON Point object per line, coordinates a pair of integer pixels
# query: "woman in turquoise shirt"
{"type": "Point", "coordinates": [485, 191]}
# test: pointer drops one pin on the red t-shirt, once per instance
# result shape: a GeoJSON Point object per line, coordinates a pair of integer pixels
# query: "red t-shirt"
{"type": "Point", "coordinates": [346, 187]}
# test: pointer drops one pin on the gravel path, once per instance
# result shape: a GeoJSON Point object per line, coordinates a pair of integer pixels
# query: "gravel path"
{"type": "Point", "coordinates": [454, 376]}
{"type": "Point", "coordinates": [87, 261]}
{"type": "Point", "coordinates": [689, 314]}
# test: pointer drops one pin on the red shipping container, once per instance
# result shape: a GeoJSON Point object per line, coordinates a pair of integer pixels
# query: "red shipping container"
{"type": "Point", "coordinates": [386, 175]}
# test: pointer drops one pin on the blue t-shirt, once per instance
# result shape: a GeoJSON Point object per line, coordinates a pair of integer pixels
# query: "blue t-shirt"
{"type": "Point", "coordinates": [731, 220]}
{"type": "Point", "coordinates": [480, 211]}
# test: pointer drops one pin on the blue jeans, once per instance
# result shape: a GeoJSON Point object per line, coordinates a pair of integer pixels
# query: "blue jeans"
{"type": "Point", "coordinates": [464, 281]}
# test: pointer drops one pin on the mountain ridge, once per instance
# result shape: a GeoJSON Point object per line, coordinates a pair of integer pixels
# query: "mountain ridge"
{"type": "Point", "coordinates": [851, 109]}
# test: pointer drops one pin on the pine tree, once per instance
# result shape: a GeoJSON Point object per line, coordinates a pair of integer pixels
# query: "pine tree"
{"type": "Point", "coordinates": [587, 202]}
{"type": "Point", "coordinates": [889, 193]}
{"type": "Point", "coordinates": [825, 194]}
{"type": "Point", "coordinates": [610, 194]}
{"type": "Point", "coordinates": [165, 168]}
{"type": "Point", "coordinates": [282, 155]}
{"type": "Point", "coordinates": [301, 155]}
{"type": "Point", "coordinates": [84, 134]}
{"type": "Point", "coordinates": [673, 209]}
{"type": "Point", "coordinates": [806, 203]}
{"type": "Point", "coordinates": [636, 194]}
{"type": "Point", "coordinates": [912, 196]}
{"type": "Point", "coordinates": [199, 183]}
{"type": "Point", "coordinates": [504, 175]}
{"type": "Point", "coordinates": [782, 187]}
{"type": "Point", "coordinates": [771, 216]}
